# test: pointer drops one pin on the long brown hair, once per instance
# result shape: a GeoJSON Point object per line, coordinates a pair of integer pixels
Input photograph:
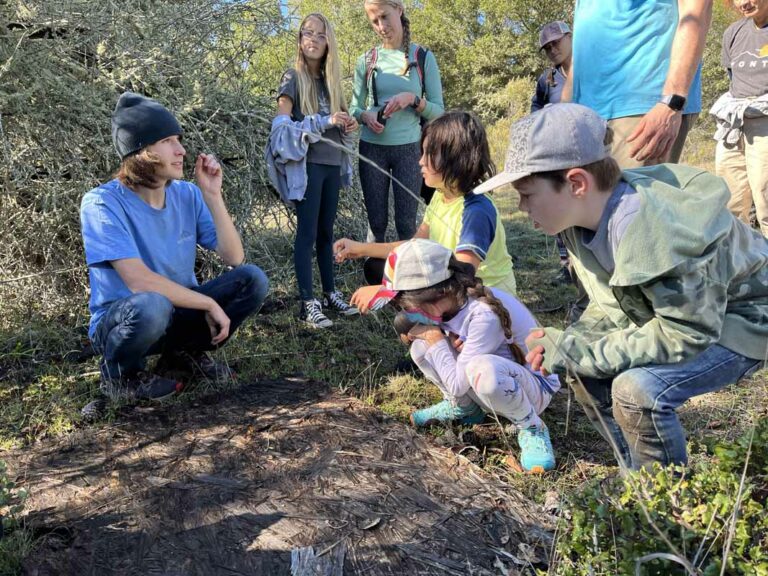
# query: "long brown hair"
{"type": "Point", "coordinates": [308, 97]}
{"type": "Point", "coordinates": [461, 286]}
{"type": "Point", "coordinates": [139, 169]}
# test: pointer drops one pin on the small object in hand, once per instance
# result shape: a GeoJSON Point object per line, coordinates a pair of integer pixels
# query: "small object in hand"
{"type": "Point", "coordinates": [402, 324]}
{"type": "Point", "coordinates": [380, 118]}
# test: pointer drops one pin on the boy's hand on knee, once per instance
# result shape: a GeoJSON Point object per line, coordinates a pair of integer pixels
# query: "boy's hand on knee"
{"type": "Point", "coordinates": [218, 323]}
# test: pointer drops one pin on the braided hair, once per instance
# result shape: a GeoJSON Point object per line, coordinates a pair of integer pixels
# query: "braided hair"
{"type": "Point", "coordinates": [406, 23]}
{"type": "Point", "coordinates": [461, 286]}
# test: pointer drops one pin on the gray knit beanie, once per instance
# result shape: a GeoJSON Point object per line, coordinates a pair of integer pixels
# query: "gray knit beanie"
{"type": "Point", "coordinates": [139, 121]}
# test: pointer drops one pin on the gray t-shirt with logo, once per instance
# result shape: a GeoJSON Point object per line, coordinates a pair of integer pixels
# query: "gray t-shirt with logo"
{"type": "Point", "coordinates": [319, 152]}
{"type": "Point", "coordinates": [745, 56]}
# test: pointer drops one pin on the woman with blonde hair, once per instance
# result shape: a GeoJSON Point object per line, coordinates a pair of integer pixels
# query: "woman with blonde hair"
{"type": "Point", "coordinates": [397, 84]}
{"type": "Point", "coordinates": [311, 105]}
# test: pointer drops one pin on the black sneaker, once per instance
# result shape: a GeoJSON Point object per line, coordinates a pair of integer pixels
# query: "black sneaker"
{"type": "Point", "coordinates": [312, 313]}
{"type": "Point", "coordinates": [140, 386]}
{"type": "Point", "coordinates": [194, 363]}
{"type": "Point", "coordinates": [335, 301]}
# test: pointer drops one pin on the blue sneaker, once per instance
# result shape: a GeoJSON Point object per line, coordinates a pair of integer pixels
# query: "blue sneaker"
{"type": "Point", "coordinates": [536, 454]}
{"type": "Point", "coordinates": [444, 411]}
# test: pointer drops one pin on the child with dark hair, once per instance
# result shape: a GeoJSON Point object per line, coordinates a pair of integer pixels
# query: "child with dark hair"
{"type": "Point", "coordinates": [469, 340]}
{"type": "Point", "coordinates": [678, 287]}
{"type": "Point", "coordinates": [455, 158]}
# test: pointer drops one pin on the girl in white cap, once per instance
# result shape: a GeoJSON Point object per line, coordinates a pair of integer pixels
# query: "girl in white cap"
{"type": "Point", "coordinates": [469, 340]}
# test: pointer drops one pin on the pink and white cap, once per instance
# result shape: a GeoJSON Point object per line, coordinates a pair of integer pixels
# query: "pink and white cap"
{"type": "Point", "coordinates": [416, 264]}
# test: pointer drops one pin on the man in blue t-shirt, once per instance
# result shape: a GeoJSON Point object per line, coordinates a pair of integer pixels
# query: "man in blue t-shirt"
{"type": "Point", "coordinates": [638, 65]}
{"type": "Point", "coordinates": [140, 233]}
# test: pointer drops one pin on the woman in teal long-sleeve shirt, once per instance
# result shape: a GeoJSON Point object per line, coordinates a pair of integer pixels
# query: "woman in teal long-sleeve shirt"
{"type": "Point", "coordinates": [390, 84]}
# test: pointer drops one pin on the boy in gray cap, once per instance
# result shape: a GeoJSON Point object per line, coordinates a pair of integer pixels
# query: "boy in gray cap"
{"type": "Point", "coordinates": [678, 286]}
{"type": "Point", "coordinates": [141, 231]}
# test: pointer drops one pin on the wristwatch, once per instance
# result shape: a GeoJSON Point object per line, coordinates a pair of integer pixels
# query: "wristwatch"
{"type": "Point", "coordinates": [416, 102]}
{"type": "Point", "coordinates": [674, 101]}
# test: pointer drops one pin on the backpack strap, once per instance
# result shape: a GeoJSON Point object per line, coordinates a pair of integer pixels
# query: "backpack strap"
{"type": "Point", "coordinates": [370, 69]}
{"type": "Point", "coordinates": [421, 59]}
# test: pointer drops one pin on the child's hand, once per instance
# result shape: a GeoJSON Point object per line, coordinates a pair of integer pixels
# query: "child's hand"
{"type": "Point", "coordinates": [430, 334]}
{"type": "Point", "coordinates": [362, 297]}
{"type": "Point", "coordinates": [535, 356]}
{"type": "Point", "coordinates": [456, 342]}
{"type": "Point", "coordinates": [340, 119]}
{"type": "Point", "coordinates": [344, 121]}
{"type": "Point", "coordinates": [346, 249]}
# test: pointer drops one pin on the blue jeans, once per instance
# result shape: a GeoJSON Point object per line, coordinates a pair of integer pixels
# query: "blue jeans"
{"type": "Point", "coordinates": [638, 407]}
{"type": "Point", "coordinates": [147, 323]}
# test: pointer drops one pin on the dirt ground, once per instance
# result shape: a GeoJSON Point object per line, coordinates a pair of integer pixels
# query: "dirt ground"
{"type": "Point", "coordinates": [232, 484]}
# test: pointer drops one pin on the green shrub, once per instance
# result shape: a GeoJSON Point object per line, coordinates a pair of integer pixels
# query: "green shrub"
{"type": "Point", "coordinates": [714, 506]}
{"type": "Point", "coordinates": [15, 541]}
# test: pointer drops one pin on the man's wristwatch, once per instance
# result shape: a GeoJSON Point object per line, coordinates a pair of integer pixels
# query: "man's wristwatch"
{"type": "Point", "coordinates": [674, 101]}
{"type": "Point", "coordinates": [416, 101]}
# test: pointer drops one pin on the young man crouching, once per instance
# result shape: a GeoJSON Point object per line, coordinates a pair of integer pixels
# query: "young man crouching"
{"type": "Point", "coordinates": [140, 233]}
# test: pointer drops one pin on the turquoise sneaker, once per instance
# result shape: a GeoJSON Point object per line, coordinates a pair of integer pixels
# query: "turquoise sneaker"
{"type": "Point", "coordinates": [444, 411]}
{"type": "Point", "coordinates": [536, 454]}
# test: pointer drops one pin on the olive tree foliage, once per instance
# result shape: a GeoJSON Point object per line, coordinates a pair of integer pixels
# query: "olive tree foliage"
{"type": "Point", "coordinates": [63, 64]}
{"type": "Point", "coordinates": [480, 45]}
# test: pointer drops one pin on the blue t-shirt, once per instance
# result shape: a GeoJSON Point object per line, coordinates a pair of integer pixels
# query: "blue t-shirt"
{"type": "Point", "coordinates": [116, 223]}
{"type": "Point", "coordinates": [621, 55]}
{"type": "Point", "coordinates": [478, 225]}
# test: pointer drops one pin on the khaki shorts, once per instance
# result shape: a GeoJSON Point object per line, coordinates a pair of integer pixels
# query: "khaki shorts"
{"type": "Point", "coordinates": [623, 128]}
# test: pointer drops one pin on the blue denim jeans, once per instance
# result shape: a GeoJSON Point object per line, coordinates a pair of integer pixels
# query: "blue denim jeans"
{"type": "Point", "coordinates": [147, 323]}
{"type": "Point", "coordinates": [636, 410]}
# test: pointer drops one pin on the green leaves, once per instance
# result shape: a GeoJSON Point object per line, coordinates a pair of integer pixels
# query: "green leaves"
{"type": "Point", "coordinates": [697, 509]}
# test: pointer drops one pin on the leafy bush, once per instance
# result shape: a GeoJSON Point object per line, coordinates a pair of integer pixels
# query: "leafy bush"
{"type": "Point", "coordinates": [14, 540]}
{"type": "Point", "coordinates": [713, 512]}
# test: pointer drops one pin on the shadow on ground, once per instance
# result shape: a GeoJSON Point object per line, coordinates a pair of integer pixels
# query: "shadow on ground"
{"type": "Point", "coordinates": [231, 484]}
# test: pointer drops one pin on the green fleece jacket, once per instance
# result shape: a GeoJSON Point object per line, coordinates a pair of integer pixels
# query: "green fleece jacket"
{"type": "Point", "coordinates": [688, 275]}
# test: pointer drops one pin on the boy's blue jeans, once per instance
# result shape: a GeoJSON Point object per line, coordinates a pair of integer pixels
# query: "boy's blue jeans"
{"type": "Point", "coordinates": [637, 409]}
{"type": "Point", "coordinates": [147, 323]}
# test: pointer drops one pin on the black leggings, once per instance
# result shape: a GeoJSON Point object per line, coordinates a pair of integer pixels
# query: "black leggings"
{"type": "Point", "coordinates": [402, 162]}
{"type": "Point", "coordinates": [315, 216]}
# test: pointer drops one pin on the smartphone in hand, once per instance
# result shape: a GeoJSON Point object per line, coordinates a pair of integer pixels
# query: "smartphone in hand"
{"type": "Point", "coordinates": [380, 118]}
